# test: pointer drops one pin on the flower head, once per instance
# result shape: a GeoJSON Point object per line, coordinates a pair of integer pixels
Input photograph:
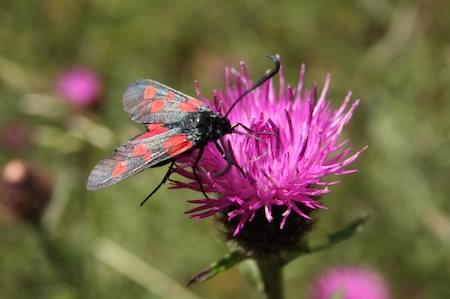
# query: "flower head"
{"type": "Point", "coordinates": [350, 283]}
{"type": "Point", "coordinates": [293, 146]}
{"type": "Point", "coordinates": [79, 86]}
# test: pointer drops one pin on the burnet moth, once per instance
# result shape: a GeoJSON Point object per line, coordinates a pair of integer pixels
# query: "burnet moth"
{"type": "Point", "coordinates": [176, 124]}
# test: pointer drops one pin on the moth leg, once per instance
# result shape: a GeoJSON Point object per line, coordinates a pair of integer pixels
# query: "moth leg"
{"type": "Point", "coordinates": [226, 154]}
{"type": "Point", "coordinates": [194, 170]}
{"type": "Point", "coordinates": [243, 126]}
{"type": "Point", "coordinates": [163, 181]}
{"type": "Point", "coordinates": [250, 131]}
{"type": "Point", "coordinates": [233, 159]}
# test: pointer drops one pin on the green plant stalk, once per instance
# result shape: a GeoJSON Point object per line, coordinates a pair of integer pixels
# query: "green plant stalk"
{"type": "Point", "coordinates": [58, 260]}
{"type": "Point", "coordinates": [271, 270]}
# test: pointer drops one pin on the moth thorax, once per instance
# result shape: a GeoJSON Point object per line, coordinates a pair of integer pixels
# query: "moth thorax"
{"type": "Point", "coordinates": [219, 127]}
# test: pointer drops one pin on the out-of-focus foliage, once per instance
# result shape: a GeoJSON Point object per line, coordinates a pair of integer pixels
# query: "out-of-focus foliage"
{"type": "Point", "coordinates": [394, 55]}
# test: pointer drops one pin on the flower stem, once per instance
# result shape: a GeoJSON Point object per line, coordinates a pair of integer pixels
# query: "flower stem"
{"type": "Point", "coordinates": [271, 270]}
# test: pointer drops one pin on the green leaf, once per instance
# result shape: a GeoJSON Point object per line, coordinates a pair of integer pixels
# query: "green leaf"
{"type": "Point", "coordinates": [334, 238]}
{"type": "Point", "coordinates": [347, 232]}
{"type": "Point", "coordinates": [231, 259]}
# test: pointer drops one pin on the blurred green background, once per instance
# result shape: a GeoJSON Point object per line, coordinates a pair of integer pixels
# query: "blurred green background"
{"type": "Point", "coordinates": [394, 55]}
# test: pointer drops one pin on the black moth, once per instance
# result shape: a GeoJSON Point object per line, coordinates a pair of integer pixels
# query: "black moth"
{"type": "Point", "coordinates": [175, 124]}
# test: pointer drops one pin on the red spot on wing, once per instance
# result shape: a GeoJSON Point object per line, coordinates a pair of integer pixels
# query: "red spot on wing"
{"type": "Point", "coordinates": [153, 130]}
{"type": "Point", "coordinates": [149, 92]}
{"type": "Point", "coordinates": [156, 129]}
{"type": "Point", "coordinates": [191, 105]}
{"type": "Point", "coordinates": [143, 136]}
{"type": "Point", "coordinates": [177, 144]}
{"type": "Point", "coordinates": [170, 96]}
{"type": "Point", "coordinates": [147, 156]}
{"type": "Point", "coordinates": [119, 169]}
{"type": "Point", "coordinates": [142, 150]}
{"type": "Point", "coordinates": [157, 106]}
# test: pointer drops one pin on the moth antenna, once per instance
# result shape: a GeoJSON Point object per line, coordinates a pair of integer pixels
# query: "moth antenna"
{"type": "Point", "coordinates": [273, 72]}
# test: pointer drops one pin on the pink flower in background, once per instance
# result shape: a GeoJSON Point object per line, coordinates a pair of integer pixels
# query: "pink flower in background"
{"type": "Point", "coordinates": [79, 86]}
{"type": "Point", "coordinates": [350, 283]}
{"type": "Point", "coordinates": [297, 146]}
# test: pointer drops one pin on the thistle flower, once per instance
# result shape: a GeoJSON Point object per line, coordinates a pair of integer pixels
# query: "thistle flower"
{"type": "Point", "coordinates": [79, 86]}
{"type": "Point", "coordinates": [349, 283]}
{"type": "Point", "coordinates": [293, 147]}
{"type": "Point", "coordinates": [25, 192]}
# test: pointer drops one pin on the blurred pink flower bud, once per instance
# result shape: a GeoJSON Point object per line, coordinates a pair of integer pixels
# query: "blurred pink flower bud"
{"type": "Point", "coordinates": [79, 86]}
{"type": "Point", "coordinates": [350, 283]}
